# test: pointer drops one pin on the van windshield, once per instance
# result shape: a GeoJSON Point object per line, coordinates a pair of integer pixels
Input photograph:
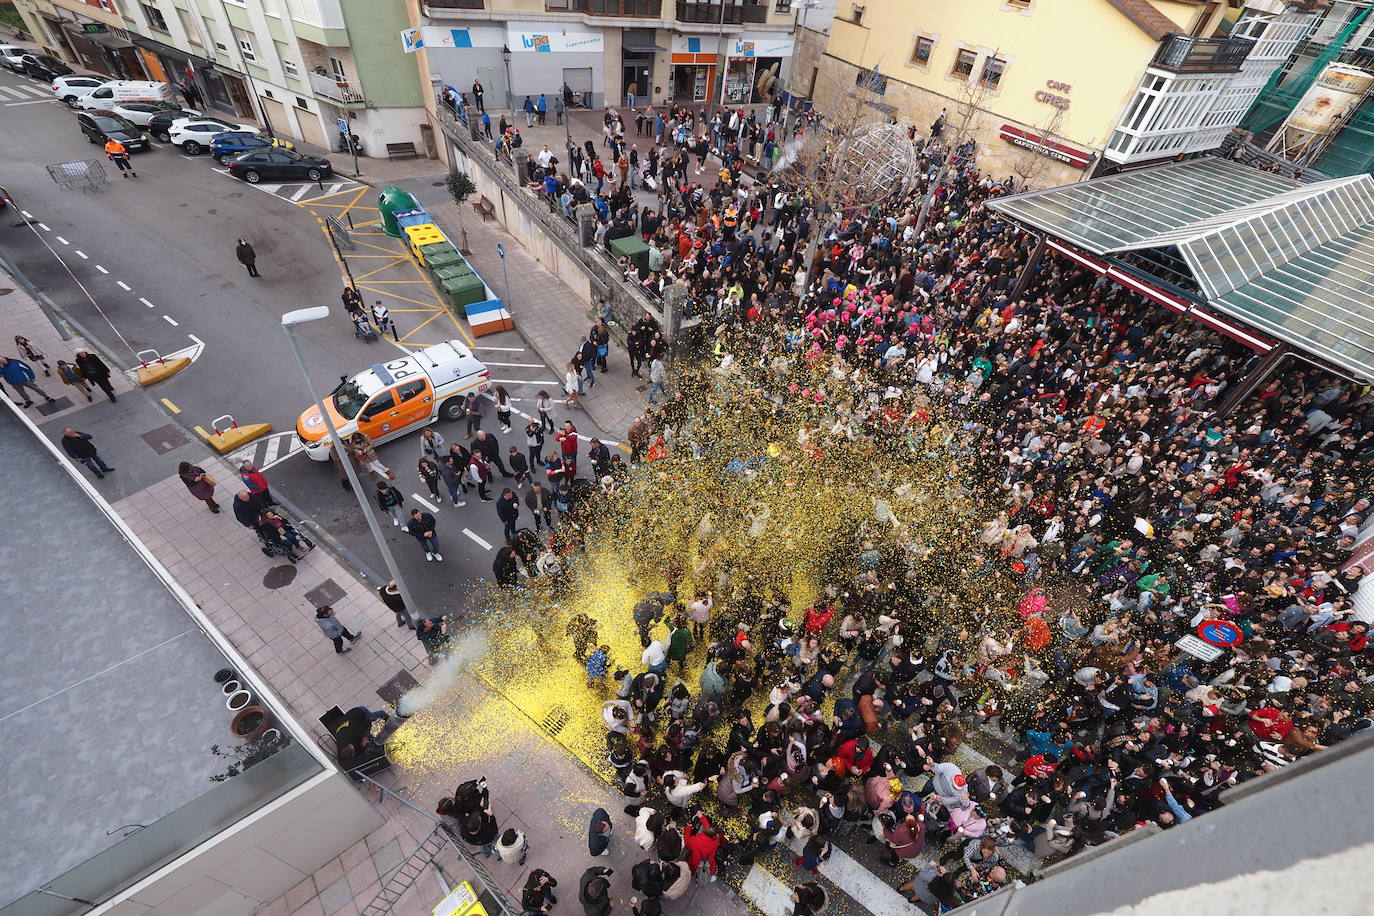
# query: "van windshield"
{"type": "Point", "coordinates": [352, 394]}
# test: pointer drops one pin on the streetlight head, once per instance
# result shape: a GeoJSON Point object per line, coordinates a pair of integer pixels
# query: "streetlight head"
{"type": "Point", "coordinates": [304, 316]}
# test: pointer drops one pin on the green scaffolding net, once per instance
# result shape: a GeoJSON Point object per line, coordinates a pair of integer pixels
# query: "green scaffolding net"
{"type": "Point", "coordinates": [1352, 152]}
{"type": "Point", "coordinates": [1275, 102]}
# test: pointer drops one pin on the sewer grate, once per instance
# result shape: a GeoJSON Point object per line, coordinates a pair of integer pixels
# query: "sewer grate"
{"type": "Point", "coordinates": [165, 439]}
{"type": "Point", "coordinates": [557, 719]}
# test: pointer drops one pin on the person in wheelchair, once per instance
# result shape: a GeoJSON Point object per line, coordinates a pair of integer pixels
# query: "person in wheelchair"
{"type": "Point", "coordinates": [363, 328]}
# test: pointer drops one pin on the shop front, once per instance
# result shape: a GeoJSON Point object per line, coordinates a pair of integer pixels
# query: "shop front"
{"type": "Point", "coordinates": [99, 48]}
{"type": "Point", "coordinates": [756, 66]}
{"type": "Point", "coordinates": [694, 68]}
{"type": "Point", "coordinates": [164, 62]}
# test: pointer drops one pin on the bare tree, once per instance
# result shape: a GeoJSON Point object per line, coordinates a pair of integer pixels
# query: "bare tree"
{"type": "Point", "coordinates": [1028, 165]}
{"type": "Point", "coordinates": [961, 126]}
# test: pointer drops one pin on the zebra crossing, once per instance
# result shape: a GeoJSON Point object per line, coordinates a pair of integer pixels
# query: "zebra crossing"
{"type": "Point", "coordinates": [301, 193]}
{"type": "Point", "coordinates": [24, 95]}
{"type": "Point", "coordinates": [267, 451]}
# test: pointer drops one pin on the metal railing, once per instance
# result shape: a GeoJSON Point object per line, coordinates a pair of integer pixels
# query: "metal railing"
{"type": "Point", "coordinates": [336, 89]}
{"type": "Point", "coordinates": [732, 13]}
{"type": "Point", "coordinates": [648, 8]}
{"type": "Point", "coordinates": [1186, 54]}
{"type": "Point", "coordinates": [429, 849]}
{"type": "Point", "coordinates": [457, 4]}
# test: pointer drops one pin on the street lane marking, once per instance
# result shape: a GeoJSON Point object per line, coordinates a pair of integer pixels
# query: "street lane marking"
{"type": "Point", "coordinates": [201, 430]}
{"type": "Point", "coordinates": [424, 502]}
{"type": "Point", "coordinates": [44, 227]}
{"type": "Point", "coordinates": [503, 349]}
{"type": "Point", "coordinates": [83, 255]}
{"type": "Point", "coordinates": [101, 269]}
{"type": "Point", "coordinates": [515, 365]}
{"type": "Point", "coordinates": [484, 544]}
{"type": "Point", "coordinates": [120, 283]}
{"type": "Point", "coordinates": [170, 320]}
{"type": "Point", "coordinates": [523, 381]}
{"type": "Point", "coordinates": [37, 102]}
{"type": "Point", "coordinates": [27, 214]}
{"type": "Point", "coordinates": [62, 240]}
{"type": "Point", "coordinates": [146, 302]}
{"type": "Point", "coordinates": [170, 406]}
{"type": "Point", "coordinates": [300, 193]}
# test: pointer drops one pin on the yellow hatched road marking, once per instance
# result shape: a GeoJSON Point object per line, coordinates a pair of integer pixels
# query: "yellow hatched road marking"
{"type": "Point", "coordinates": [170, 406]}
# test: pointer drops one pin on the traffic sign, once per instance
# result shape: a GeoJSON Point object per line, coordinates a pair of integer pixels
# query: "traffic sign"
{"type": "Point", "coordinates": [501, 250]}
{"type": "Point", "coordinates": [1219, 633]}
{"type": "Point", "coordinates": [343, 125]}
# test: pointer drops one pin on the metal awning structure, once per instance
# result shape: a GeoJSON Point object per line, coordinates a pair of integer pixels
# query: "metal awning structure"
{"type": "Point", "coordinates": [1241, 250]}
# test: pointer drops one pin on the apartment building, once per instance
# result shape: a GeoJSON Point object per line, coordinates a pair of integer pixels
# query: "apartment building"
{"type": "Point", "coordinates": [298, 66]}
{"type": "Point", "coordinates": [729, 52]}
{"type": "Point", "coordinates": [1060, 90]}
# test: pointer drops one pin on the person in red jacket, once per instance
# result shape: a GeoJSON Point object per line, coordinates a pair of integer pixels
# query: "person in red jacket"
{"type": "Point", "coordinates": [567, 445]}
{"type": "Point", "coordinates": [1041, 766]}
{"type": "Point", "coordinates": [856, 756]}
{"type": "Point", "coordinates": [1270, 723]}
{"type": "Point", "coordinates": [818, 617]}
{"type": "Point", "coordinates": [702, 844]}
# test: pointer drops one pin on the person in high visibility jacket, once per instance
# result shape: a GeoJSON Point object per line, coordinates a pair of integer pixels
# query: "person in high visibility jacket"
{"type": "Point", "coordinates": [120, 157]}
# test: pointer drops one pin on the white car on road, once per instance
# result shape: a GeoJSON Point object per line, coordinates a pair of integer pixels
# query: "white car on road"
{"type": "Point", "coordinates": [12, 56]}
{"type": "Point", "coordinates": [74, 86]}
{"type": "Point", "coordinates": [141, 112]}
{"type": "Point", "coordinates": [193, 135]}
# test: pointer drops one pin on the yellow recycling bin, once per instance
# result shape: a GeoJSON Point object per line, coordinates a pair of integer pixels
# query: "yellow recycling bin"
{"type": "Point", "coordinates": [419, 236]}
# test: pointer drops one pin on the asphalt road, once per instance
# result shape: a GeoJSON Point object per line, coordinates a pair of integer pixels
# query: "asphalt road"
{"type": "Point", "coordinates": [148, 263]}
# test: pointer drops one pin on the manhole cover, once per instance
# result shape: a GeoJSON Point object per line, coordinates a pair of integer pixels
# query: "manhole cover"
{"type": "Point", "coordinates": [556, 720]}
{"type": "Point", "coordinates": [48, 410]}
{"type": "Point", "coordinates": [394, 689]}
{"type": "Point", "coordinates": [327, 592]}
{"type": "Point", "coordinates": [165, 439]}
{"type": "Point", "coordinates": [279, 576]}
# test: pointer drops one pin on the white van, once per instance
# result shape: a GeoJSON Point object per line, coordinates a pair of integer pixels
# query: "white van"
{"type": "Point", "coordinates": [109, 93]}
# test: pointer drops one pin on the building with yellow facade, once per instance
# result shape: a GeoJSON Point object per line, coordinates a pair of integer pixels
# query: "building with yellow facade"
{"type": "Point", "coordinates": [1052, 91]}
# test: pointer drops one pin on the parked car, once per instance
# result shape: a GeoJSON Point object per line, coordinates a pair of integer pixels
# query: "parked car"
{"type": "Point", "coordinates": [102, 126]}
{"type": "Point", "coordinates": [142, 113]}
{"type": "Point", "coordinates": [193, 135]}
{"type": "Point", "coordinates": [45, 68]}
{"type": "Point", "coordinates": [160, 124]}
{"type": "Point", "coordinates": [228, 145]}
{"type": "Point", "coordinates": [114, 92]}
{"type": "Point", "coordinates": [71, 89]}
{"type": "Point", "coordinates": [13, 57]}
{"type": "Point", "coordinates": [279, 164]}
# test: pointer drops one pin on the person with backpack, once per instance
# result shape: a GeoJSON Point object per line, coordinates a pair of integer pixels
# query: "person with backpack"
{"type": "Point", "coordinates": [390, 501]}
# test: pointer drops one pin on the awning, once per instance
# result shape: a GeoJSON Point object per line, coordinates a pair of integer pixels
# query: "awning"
{"type": "Point", "coordinates": [104, 39]}
{"type": "Point", "coordinates": [641, 47]}
{"type": "Point", "coordinates": [177, 54]}
{"type": "Point", "coordinates": [1295, 264]}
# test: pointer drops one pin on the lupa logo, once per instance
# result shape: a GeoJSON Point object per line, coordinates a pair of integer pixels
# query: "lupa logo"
{"type": "Point", "coordinates": [744, 48]}
{"type": "Point", "coordinates": [537, 42]}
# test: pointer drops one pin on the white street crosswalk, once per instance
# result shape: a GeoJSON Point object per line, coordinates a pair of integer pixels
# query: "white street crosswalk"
{"type": "Point", "coordinates": [267, 451]}
{"type": "Point", "coordinates": [297, 192]}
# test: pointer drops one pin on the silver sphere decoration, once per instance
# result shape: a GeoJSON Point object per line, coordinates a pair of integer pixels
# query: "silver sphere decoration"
{"type": "Point", "coordinates": [880, 160]}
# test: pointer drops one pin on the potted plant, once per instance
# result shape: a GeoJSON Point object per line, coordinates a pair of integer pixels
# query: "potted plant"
{"type": "Point", "coordinates": [249, 753]}
{"type": "Point", "coordinates": [249, 722]}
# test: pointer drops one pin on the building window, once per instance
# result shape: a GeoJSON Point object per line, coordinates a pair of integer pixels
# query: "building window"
{"type": "Point", "coordinates": [856, 14]}
{"type": "Point", "coordinates": [188, 26]}
{"type": "Point", "coordinates": [555, 4]}
{"type": "Point", "coordinates": [783, 6]}
{"type": "Point", "coordinates": [1018, 4]}
{"type": "Point", "coordinates": [872, 80]}
{"type": "Point", "coordinates": [246, 49]}
{"type": "Point", "coordinates": [290, 68]}
{"type": "Point", "coordinates": [155, 19]}
{"type": "Point", "coordinates": [963, 63]}
{"type": "Point", "coordinates": [337, 66]}
{"type": "Point", "coordinates": [301, 103]}
{"type": "Point", "coordinates": [221, 46]}
{"type": "Point", "coordinates": [920, 54]}
{"type": "Point", "coordinates": [993, 68]}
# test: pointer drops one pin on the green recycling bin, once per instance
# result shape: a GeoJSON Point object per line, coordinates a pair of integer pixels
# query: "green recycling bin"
{"type": "Point", "coordinates": [449, 272]}
{"type": "Point", "coordinates": [464, 291]}
{"type": "Point", "coordinates": [445, 259]}
{"type": "Point", "coordinates": [437, 250]}
{"type": "Point", "coordinates": [634, 248]}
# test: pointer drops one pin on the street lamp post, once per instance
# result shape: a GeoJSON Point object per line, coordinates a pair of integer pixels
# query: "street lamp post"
{"type": "Point", "coordinates": [289, 322]}
{"type": "Point", "coordinates": [724, 65]}
{"type": "Point", "coordinates": [505, 275]}
{"type": "Point", "coordinates": [510, 95]}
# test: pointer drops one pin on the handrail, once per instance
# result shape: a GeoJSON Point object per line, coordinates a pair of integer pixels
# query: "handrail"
{"type": "Point", "coordinates": [492, 887]}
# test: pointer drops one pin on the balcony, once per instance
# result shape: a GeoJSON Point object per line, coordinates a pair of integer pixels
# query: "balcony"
{"type": "Point", "coordinates": [647, 8]}
{"type": "Point", "coordinates": [341, 92]}
{"type": "Point", "coordinates": [1186, 54]}
{"type": "Point", "coordinates": [457, 4]}
{"type": "Point", "coordinates": [711, 13]}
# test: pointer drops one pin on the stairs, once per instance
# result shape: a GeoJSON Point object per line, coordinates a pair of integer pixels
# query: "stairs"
{"type": "Point", "coordinates": [405, 876]}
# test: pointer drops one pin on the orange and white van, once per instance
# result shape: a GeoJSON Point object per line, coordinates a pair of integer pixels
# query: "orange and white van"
{"type": "Point", "coordinates": [402, 396]}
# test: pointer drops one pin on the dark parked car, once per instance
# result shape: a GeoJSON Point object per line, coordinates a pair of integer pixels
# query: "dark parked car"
{"type": "Point", "coordinates": [45, 68]}
{"type": "Point", "coordinates": [226, 146]}
{"type": "Point", "coordinates": [100, 126]}
{"type": "Point", "coordinates": [160, 124]}
{"type": "Point", "coordinates": [279, 164]}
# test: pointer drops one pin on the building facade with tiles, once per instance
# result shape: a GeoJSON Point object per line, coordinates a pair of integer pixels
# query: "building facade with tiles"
{"type": "Point", "coordinates": [1060, 91]}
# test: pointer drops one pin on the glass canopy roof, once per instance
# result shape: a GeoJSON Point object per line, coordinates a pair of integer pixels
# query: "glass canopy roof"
{"type": "Point", "coordinates": [1294, 262]}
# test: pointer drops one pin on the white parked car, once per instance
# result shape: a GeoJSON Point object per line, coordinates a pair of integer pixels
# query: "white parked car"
{"type": "Point", "coordinates": [70, 88]}
{"type": "Point", "coordinates": [141, 112]}
{"type": "Point", "coordinates": [13, 57]}
{"type": "Point", "coordinates": [193, 135]}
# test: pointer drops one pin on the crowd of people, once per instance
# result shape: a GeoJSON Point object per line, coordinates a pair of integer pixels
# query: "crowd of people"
{"type": "Point", "coordinates": [1130, 502]}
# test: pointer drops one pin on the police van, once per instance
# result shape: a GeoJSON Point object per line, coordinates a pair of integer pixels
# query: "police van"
{"type": "Point", "coordinates": [402, 396]}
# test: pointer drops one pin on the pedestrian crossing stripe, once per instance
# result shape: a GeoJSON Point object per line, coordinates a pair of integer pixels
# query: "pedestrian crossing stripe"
{"type": "Point", "coordinates": [296, 192]}
{"type": "Point", "coordinates": [267, 451]}
{"type": "Point", "coordinates": [25, 92]}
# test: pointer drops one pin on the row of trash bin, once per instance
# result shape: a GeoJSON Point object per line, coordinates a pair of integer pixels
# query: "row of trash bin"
{"type": "Point", "coordinates": [463, 288]}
